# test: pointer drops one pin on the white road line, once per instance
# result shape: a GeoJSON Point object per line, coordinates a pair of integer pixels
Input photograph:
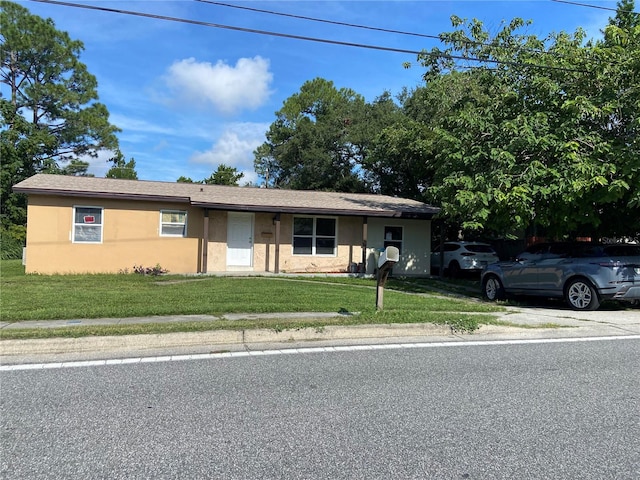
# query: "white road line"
{"type": "Point", "coordinates": [294, 351]}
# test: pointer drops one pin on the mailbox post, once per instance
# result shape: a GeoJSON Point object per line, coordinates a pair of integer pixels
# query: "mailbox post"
{"type": "Point", "coordinates": [387, 260]}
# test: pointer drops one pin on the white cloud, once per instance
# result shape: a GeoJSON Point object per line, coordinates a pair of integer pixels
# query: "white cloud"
{"type": "Point", "coordinates": [100, 165]}
{"type": "Point", "coordinates": [228, 88]}
{"type": "Point", "coordinates": [234, 148]}
{"type": "Point", "coordinates": [128, 124]}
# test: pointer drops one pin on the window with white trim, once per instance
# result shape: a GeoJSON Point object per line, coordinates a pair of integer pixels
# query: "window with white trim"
{"type": "Point", "coordinates": [87, 224]}
{"type": "Point", "coordinates": [173, 223]}
{"type": "Point", "coordinates": [393, 237]}
{"type": "Point", "coordinates": [314, 236]}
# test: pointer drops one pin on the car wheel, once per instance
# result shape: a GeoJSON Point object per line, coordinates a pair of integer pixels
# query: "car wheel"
{"type": "Point", "coordinates": [581, 295]}
{"type": "Point", "coordinates": [634, 303]}
{"type": "Point", "coordinates": [454, 269]}
{"type": "Point", "coordinates": [492, 288]}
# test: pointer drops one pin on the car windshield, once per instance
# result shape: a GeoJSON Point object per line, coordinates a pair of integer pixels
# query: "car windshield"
{"type": "Point", "coordinates": [565, 248]}
{"type": "Point", "coordinates": [622, 250]}
{"type": "Point", "coordinates": [538, 248]}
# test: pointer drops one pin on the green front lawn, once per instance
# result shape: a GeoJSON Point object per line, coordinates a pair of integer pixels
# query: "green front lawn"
{"type": "Point", "coordinates": [43, 297]}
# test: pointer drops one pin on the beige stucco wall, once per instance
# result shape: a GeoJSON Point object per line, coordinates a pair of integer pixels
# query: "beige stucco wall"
{"type": "Point", "coordinates": [415, 257]}
{"type": "Point", "coordinates": [264, 250]}
{"type": "Point", "coordinates": [130, 237]}
{"type": "Point", "coordinates": [217, 245]}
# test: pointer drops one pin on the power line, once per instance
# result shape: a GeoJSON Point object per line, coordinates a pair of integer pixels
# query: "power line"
{"type": "Point", "coordinates": [352, 25]}
{"type": "Point", "coordinates": [443, 55]}
{"type": "Point", "coordinates": [332, 22]}
{"type": "Point", "coordinates": [596, 6]}
{"type": "Point", "coordinates": [229, 27]}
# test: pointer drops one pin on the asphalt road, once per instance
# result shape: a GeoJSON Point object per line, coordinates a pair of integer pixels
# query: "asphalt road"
{"type": "Point", "coordinates": [449, 411]}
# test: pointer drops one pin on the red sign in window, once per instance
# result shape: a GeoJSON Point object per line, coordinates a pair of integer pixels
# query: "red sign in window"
{"type": "Point", "coordinates": [89, 219]}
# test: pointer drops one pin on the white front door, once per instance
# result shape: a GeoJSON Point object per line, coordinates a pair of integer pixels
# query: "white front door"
{"type": "Point", "coordinates": [240, 240]}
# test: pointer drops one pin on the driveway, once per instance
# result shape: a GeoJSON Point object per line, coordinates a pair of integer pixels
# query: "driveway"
{"type": "Point", "coordinates": [600, 322]}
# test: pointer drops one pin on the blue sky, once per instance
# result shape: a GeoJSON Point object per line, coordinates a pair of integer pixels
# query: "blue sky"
{"type": "Point", "coordinates": [190, 97]}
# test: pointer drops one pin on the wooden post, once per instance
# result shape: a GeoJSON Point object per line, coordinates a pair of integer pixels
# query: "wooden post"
{"type": "Point", "coordinates": [383, 274]}
{"type": "Point", "coordinates": [387, 260]}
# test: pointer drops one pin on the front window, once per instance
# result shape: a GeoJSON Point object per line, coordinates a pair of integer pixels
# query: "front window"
{"type": "Point", "coordinates": [393, 238]}
{"type": "Point", "coordinates": [87, 224]}
{"type": "Point", "coordinates": [314, 236]}
{"type": "Point", "coordinates": [173, 223]}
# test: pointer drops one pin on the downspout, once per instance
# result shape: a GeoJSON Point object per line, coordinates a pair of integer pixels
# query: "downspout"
{"type": "Point", "coordinates": [364, 244]}
{"type": "Point", "coordinates": [205, 241]}
{"type": "Point", "coordinates": [441, 249]}
{"type": "Point", "coordinates": [276, 266]}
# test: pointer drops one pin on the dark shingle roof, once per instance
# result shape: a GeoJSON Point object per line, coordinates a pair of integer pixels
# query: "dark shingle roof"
{"type": "Point", "coordinates": [221, 197]}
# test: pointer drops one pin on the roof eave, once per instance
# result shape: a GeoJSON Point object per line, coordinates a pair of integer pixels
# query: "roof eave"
{"type": "Point", "coordinates": [382, 213]}
{"type": "Point", "coordinates": [317, 211]}
{"type": "Point", "coordinates": [107, 195]}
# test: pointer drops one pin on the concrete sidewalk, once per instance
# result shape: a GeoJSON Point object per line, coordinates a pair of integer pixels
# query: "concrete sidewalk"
{"type": "Point", "coordinates": [526, 317]}
{"type": "Point", "coordinates": [524, 323]}
{"type": "Point", "coordinates": [166, 319]}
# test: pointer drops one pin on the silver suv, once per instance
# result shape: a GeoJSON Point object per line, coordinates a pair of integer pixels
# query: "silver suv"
{"type": "Point", "coordinates": [584, 275]}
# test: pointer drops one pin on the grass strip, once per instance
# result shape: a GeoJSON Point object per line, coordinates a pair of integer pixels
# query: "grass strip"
{"type": "Point", "coordinates": [460, 322]}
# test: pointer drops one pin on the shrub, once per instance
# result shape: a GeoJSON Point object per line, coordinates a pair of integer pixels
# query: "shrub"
{"type": "Point", "coordinates": [12, 240]}
{"type": "Point", "coordinates": [154, 271]}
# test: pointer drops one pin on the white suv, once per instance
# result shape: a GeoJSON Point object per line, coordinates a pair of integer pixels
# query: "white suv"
{"type": "Point", "coordinates": [467, 256]}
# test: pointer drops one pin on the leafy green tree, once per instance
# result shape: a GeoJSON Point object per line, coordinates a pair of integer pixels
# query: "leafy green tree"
{"type": "Point", "coordinates": [267, 166]}
{"type": "Point", "coordinates": [184, 179]}
{"type": "Point", "coordinates": [310, 145]}
{"type": "Point", "coordinates": [51, 117]}
{"type": "Point", "coordinates": [76, 168]}
{"type": "Point", "coordinates": [403, 151]}
{"type": "Point", "coordinates": [626, 18]}
{"type": "Point", "coordinates": [121, 168]}
{"type": "Point", "coordinates": [224, 175]}
{"type": "Point", "coordinates": [618, 101]}
{"type": "Point", "coordinates": [539, 137]}
{"type": "Point", "coordinates": [401, 159]}
{"type": "Point", "coordinates": [381, 171]}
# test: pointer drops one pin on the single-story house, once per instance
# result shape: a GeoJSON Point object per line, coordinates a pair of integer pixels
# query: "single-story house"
{"type": "Point", "coordinates": [100, 225]}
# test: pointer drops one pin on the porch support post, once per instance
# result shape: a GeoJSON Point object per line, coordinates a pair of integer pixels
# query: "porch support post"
{"type": "Point", "coordinates": [276, 266]}
{"type": "Point", "coordinates": [364, 244]}
{"type": "Point", "coordinates": [441, 249]}
{"type": "Point", "coordinates": [205, 241]}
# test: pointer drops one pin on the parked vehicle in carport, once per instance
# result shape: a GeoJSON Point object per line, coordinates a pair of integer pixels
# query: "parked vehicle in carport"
{"type": "Point", "coordinates": [467, 256]}
{"type": "Point", "coordinates": [584, 275]}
